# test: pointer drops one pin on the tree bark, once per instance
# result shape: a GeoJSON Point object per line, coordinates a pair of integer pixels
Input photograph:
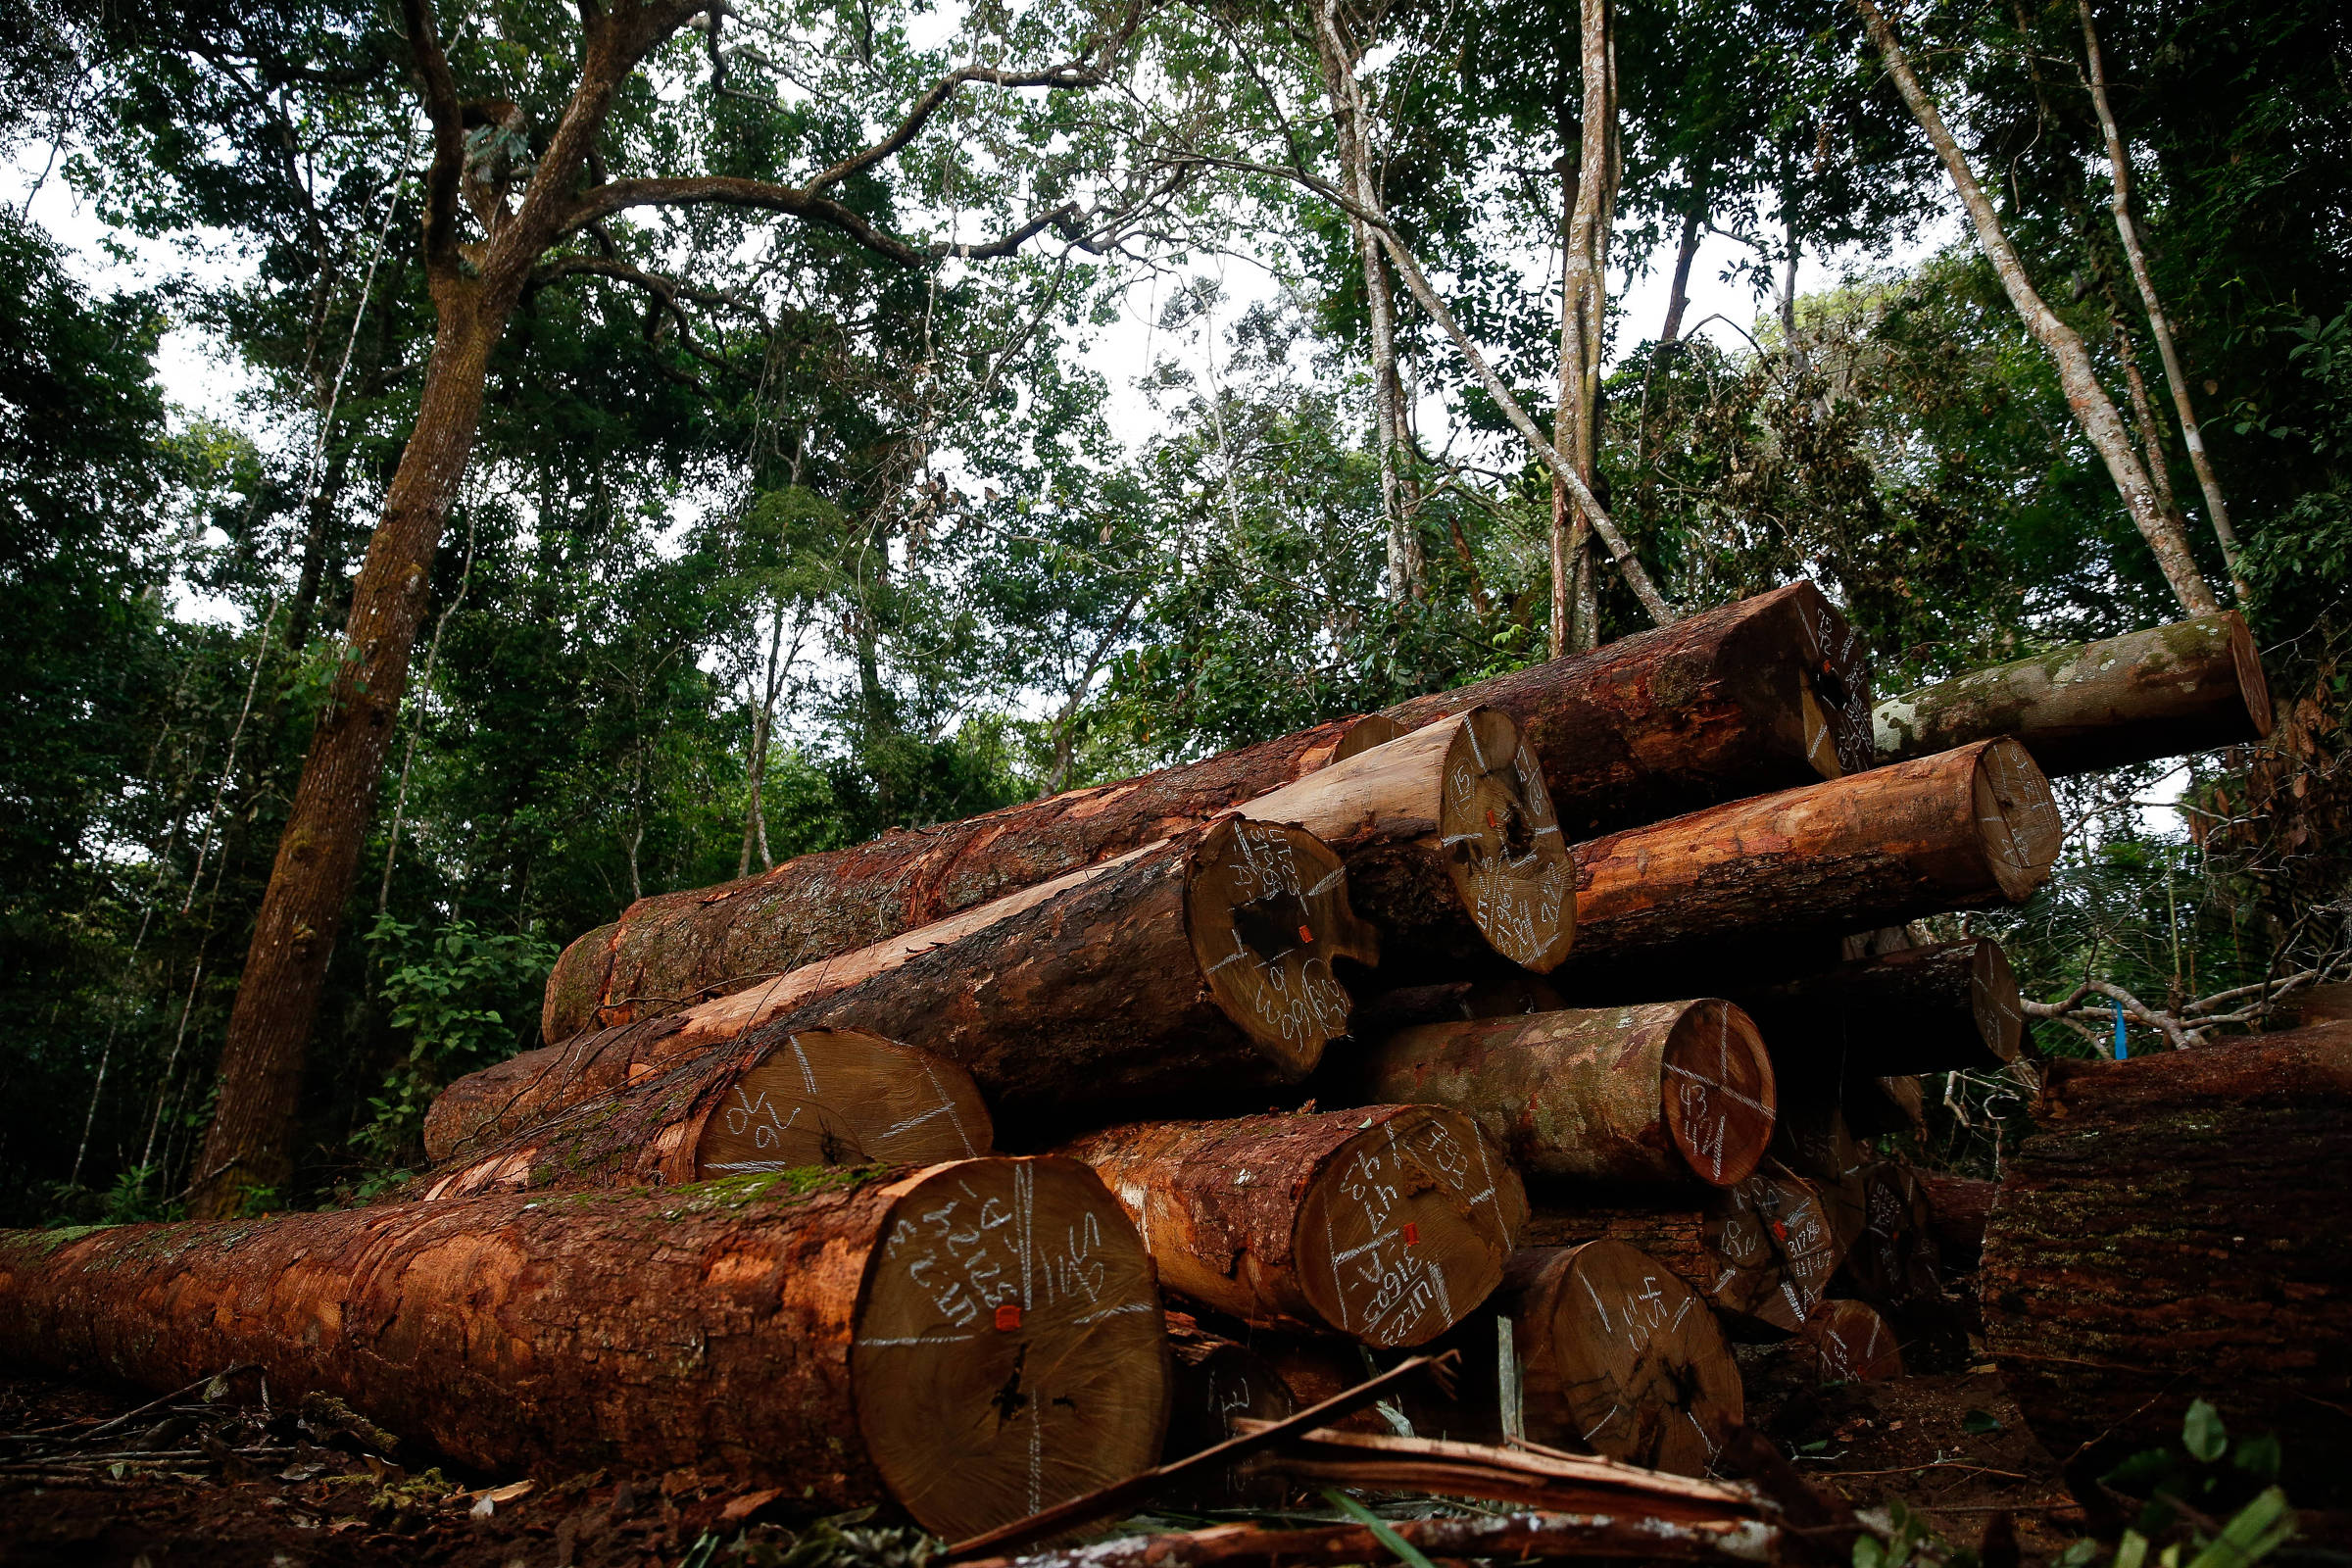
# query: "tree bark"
{"type": "Point", "coordinates": [820, 1097]}
{"type": "Point", "coordinates": [2095, 411]}
{"type": "Point", "coordinates": [1656, 1094]}
{"type": "Point", "coordinates": [2172, 1230]}
{"type": "Point", "coordinates": [2163, 692]}
{"type": "Point", "coordinates": [1848, 1342]}
{"type": "Point", "coordinates": [676, 948]}
{"type": "Point", "coordinates": [1386, 1224]}
{"type": "Point", "coordinates": [1196, 969]}
{"type": "Point", "coordinates": [1584, 316]}
{"type": "Point", "coordinates": [738, 1325]}
{"type": "Point", "coordinates": [1962, 829]}
{"type": "Point", "coordinates": [1952, 1007]}
{"type": "Point", "coordinates": [1757, 696]}
{"type": "Point", "coordinates": [2192, 435]}
{"type": "Point", "coordinates": [1958, 1207]}
{"type": "Point", "coordinates": [1451, 849]}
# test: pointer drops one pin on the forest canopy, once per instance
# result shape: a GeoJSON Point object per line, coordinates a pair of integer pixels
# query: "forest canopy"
{"type": "Point", "coordinates": [665, 440]}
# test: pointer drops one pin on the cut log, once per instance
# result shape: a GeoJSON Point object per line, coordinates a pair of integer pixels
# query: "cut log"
{"type": "Point", "coordinates": [820, 1097]}
{"type": "Point", "coordinates": [1763, 1252]}
{"type": "Point", "coordinates": [970, 1341]}
{"type": "Point", "coordinates": [1768, 693]}
{"type": "Point", "coordinates": [1449, 842]}
{"type": "Point", "coordinates": [1967, 828]}
{"type": "Point", "coordinates": [673, 949]}
{"type": "Point", "coordinates": [1620, 1357]}
{"type": "Point", "coordinates": [2173, 1229]}
{"type": "Point", "coordinates": [1386, 1224]}
{"type": "Point", "coordinates": [1957, 1209]}
{"type": "Point", "coordinates": [2164, 691]}
{"type": "Point", "coordinates": [1218, 1379]}
{"type": "Point", "coordinates": [1497, 992]}
{"type": "Point", "coordinates": [1657, 1093]}
{"type": "Point", "coordinates": [1954, 1006]}
{"type": "Point", "coordinates": [1892, 1264]}
{"type": "Point", "coordinates": [1197, 968]}
{"type": "Point", "coordinates": [1847, 1342]}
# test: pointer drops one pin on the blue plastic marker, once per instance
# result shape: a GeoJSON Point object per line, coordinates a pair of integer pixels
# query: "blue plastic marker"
{"type": "Point", "coordinates": [2122, 1049]}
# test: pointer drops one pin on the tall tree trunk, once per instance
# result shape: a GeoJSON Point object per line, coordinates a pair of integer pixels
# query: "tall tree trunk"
{"type": "Point", "coordinates": [1583, 282]}
{"type": "Point", "coordinates": [754, 819]}
{"type": "Point", "coordinates": [2192, 436]}
{"type": "Point", "coordinates": [1678, 293]}
{"type": "Point", "coordinates": [2095, 411]}
{"type": "Point", "coordinates": [248, 1150]}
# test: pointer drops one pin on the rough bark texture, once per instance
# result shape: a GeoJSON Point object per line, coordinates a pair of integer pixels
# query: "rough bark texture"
{"type": "Point", "coordinates": [1847, 1342]}
{"type": "Point", "coordinates": [1768, 693]}
{"type": "Point", "coordinates": [1963, 829]}
{"type": "Point", "coordinates": [675, 949]}
{"type": "Point", "coordinates": [1198, 968]}
{"type": "Point", "coordinates": [2174, 1229]}
{"type": "Point", "coordinates": [1648, 1094]}
{"type": "Point", "coordinates": [2164, 691]}
{"type": "Point", "coordinates": [1954, 1006]}
{"type": "Point", "coordinates": [1386, 1224]}
{"type": "Point", "coordinates": [819, 1097]}
{"type": "Point", "coordinates": [1620, 1357]}
{"type": "Point", "coordinates": [1958, 1207]}
{"type": "Point", "coordinates": [730, 1325]}
{"type": "Point", "coordinates": [1450, 841]}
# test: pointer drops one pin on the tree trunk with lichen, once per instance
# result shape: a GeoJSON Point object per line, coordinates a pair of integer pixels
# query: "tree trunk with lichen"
{"type": "Point", "coordinates": [771, 1334]}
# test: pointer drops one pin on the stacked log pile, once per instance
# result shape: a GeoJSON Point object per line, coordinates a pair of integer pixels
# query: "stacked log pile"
{"type": "Point", "coordinates": [1519, 1021]}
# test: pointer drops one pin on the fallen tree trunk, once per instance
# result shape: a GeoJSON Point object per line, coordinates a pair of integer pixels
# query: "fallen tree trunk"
{"type": "Point", "coordinates": [2174, 1229]}
{"type": "Point", "coordinates": [1847, 1342]}
{"type": "Point", "coordinates": [1449, 842]}
{"type": "Point", "coordinates": [1763, 1252]}
{"type": "Point", "coordinates": [735, 1325]}
{"type": "Point", "coordinates": [1957, 1209]}
{"type": "Point", "coordinates": [1660, 905]}
{"type": "Point", "coordinates": [1768, 693]}
{"type": "Point", "coordinates": [1657, 1093]}
{"type": "Point", "coordinates": [1384, 1224]}
{"type": "Point", "coordinates": [2164, 691]}
{"type": "Point", "coordinates": [1952, 1007]}
{"type": "Point", "coordinates": [816, 1098]}
{"type": "Point", "coordinates": [1195, 968]}
{"type": "Point", "coordinates": [673, 949]}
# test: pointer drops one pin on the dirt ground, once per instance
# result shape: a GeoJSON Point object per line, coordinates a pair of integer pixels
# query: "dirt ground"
{"type": "Point", "coordinates": [230, 1480]}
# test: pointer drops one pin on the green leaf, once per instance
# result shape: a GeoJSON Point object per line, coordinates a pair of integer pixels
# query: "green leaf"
{"type": "Point", "coordinates": [2259, 1457]}
{"type": "Point", "coordinates": [2202, 1433]}
{"type": "Point", "coordinates": [1405, 1552]}
{"type": "Point", "coordinates": [2078, 1555]}
{"type": "Point", "coordinates": [1869, 1552]}
{"type": "Point", "coordinates": [1981, 1422]}
{"type": "Point", "coordinates": [2131, 1552]}
{"type": "Point", "coordinates": [2256, 1531]}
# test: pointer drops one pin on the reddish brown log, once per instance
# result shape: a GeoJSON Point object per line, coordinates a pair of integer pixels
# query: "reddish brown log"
{"type": "Point", "coordinates": [1499, 991]}
{"type": "Point", "coordinates": [732, 1325]}
{"type": "Point", "coordinates": [675, 949]}
{"type": "Point", "coordinates": [1385, 1223]}
{"type": "Point", "coordinates": [1966, 828]}
{"type": "Point", "coordinates": [1763, 1252]}
{"type": "Point", "coordinates": [1954, 1006]}
{"type": "Point", "coordinates": [1761, 695]}
{"type": "Point", "coordinates": [2174, 1229]}
{"type": "Point", "coordinates": [1451, 845]}
{"type": "Point", "coordinates": [1847, 1342]}
{"type": "Point", "coordinates": [2164, 691]}
{"type": "Point", "coordinates": [1957, 1209]}
{"type": "Point", "coordinates": [1199, 967]}
{"type": "Point", "coordinates": [1656, 1092]}
{"type": "Point", "coordinates": [820, 1097]}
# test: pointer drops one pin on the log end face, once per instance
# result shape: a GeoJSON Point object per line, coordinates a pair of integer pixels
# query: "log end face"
{"type": "Point", "coordinates": [1406, 1227]}
{"type": "Point", "coordinates": [842, 1097]}
{"type": "Point", "coordinates": [1775, 1249]}
{"type": "Point", "coordinates": [1503, 842]}
{"type": "Point", "coordinates": [1638, 1365]}
{"type": "Point", "coordinates": [1833, 688]}
{"type": "Point", "coordinates": [1009, 1351]}
{"type": "Point", "coordinates": [1267, 910]}
{"type": "Point", "coordinates": [1361, 734]}
{"type": "Point", "coordinates": [1719, 1091]}
{"type": "Point", "coordinates": [2252, 684]}
{"type": "Point", "coordinates": [1998, 1004]}
{"type": "Point", "coordinates": [2017, 817]}
{"type": "Point", "coordinates": [1848, 1342]}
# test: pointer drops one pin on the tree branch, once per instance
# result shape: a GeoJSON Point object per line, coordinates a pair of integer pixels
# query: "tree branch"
{"type": "Point", "coordinates": [447, 116]}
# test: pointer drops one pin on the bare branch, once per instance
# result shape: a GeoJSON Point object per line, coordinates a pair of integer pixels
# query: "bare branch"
{"type": "Point", "coordinates": [447, 118]}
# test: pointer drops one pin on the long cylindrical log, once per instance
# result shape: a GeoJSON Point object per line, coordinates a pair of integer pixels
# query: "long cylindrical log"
{"type": "Point", "coordinates": [766, 1334]}
{"type": "Point", "coordinates": [2174, 1229]}
{"type": "Point", "coordinates": [1450, 841]}
{"type": "Point", "coordinates": [1385, 1223]}
{"type": "Point", "coordinates": [1958, 1207]}
{"type": "Point", "coordinates": [815, 1098]}
{"type": "Point", "coordinates": [1954, 1006]}
{"type": "Point", "coordinates": [673, 949]}
{"type": "Point", "coordinates": [1195, 967]}
{"type": "Point", "coordinates": [1655, 1093]}
{"type": "Point", "coordinates": [2164, 691]}
{"type": "Point", "coordinates": [1771, 692]}
{"type": "Point", "coordinates": [1966, 828]}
